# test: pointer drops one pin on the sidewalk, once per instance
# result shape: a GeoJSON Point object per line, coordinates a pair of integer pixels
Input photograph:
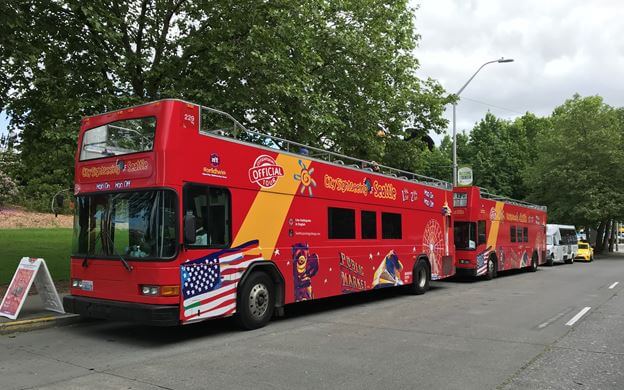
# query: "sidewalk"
{"type": "Point", "coordinates": [34, 316]}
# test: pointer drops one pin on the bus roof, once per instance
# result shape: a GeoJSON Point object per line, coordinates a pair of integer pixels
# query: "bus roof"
{"type": "Point", "coordinates": [552, 228]}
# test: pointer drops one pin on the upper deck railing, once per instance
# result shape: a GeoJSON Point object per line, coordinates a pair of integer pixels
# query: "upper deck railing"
{"type": "Point", "coordinates": [237, 131]}
{"type": "Point", "coordinates": [487, 195]}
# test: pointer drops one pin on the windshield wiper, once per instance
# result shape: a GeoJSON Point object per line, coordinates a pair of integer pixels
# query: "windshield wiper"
{"type": "Point", "coordinates": [123, 261]}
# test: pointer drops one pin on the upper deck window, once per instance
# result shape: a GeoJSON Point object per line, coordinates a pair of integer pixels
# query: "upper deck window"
{"type": "Point", "coordinates": [118, 138]}
{"type": "Point", "coordinates": [460, 199]}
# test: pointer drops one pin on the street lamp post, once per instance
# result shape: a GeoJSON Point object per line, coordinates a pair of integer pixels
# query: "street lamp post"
{"type": "Point", "coordinates": [500, 61]}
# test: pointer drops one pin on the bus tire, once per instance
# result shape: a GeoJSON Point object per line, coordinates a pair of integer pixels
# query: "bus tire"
{"type": "Point", "coordinates": [569, 260]}
{"type": "Point", "coordinates": [492, 268]}
{"type": "Point", "coordinates": [533, 266]}
{"type": "Point", "coordinates": [255, 302]}
{"type": "Point", "coordinates": [421, 277]}
{"type": "Point", "coordinates": [550, 260]}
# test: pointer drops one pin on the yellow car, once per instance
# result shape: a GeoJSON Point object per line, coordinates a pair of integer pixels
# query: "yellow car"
{"type": "Point", "coordinates": [585, 252]}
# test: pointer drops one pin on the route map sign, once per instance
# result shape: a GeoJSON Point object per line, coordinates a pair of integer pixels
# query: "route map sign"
{"type": "Point", "coordinates": [28, 271]}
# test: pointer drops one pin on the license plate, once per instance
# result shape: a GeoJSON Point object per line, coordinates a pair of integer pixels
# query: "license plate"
{"type": "Point", "coordinates": [87, 285]}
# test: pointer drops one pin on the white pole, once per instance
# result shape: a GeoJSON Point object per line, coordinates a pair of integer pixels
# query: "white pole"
{"type": "Point", "coordinates": [500, 61]}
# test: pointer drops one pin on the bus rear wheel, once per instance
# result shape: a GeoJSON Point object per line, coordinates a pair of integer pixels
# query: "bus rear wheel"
{"type": "Point", "coordinates": [421, 278]}
{"type": "Point", "coordinates": [533, 266]}
{"type": "Point", "coordinates": [256, 301]}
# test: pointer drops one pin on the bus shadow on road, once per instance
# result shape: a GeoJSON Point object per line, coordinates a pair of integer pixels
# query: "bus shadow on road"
{"type": "Point", "coordinates": [155, 337]}
{"type": "Point", "coordinates": [481, 279]}
{"type": "Point", "coordinates": [341, 302]}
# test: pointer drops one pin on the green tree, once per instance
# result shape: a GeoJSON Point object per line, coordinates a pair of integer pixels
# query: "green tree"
{"type": "Point", "coordinates": [578, 171]}
{"type": "Point", "coordinates": [328, 73]}
{"type": "Point", "coordinates": [498, 155]}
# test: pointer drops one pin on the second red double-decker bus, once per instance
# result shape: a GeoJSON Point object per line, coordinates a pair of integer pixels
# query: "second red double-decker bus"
{"type": "Point", "coordinates": [183, 215]}
{"type": "Point", "coordinates": [494, 233]}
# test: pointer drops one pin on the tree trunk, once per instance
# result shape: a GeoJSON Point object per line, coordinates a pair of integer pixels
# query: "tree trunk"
{"type": "Point", "coordinates": [599, 234]}
{"type": "Point", "coordinates": [613, 235]}
{"type": "Point", "coordinates": [605, 240]}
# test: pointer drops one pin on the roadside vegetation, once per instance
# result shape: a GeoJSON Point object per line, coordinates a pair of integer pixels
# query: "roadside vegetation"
{"type": "Point", "coordinates": [336, 75]}
{"type": "Point", "coordinates": [52, 244]}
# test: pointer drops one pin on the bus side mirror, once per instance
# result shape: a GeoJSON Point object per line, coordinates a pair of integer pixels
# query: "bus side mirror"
{"type": "Point", "coordinates": [189, 228]}
{"type": "Point", "coordinates": [60, 201]}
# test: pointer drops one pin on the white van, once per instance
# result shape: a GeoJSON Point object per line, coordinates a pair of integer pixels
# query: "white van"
{"type": "Point", "coordinates": [561, 244]}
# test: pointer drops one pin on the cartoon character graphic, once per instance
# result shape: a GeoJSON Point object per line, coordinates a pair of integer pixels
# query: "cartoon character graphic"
{"type": "Point", "coordinates": [305, 266]}
{"type": "Point", "coordinates": [389, 272]}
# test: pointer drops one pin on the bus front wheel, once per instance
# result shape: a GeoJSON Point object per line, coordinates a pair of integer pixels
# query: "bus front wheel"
{"type": "Point", "coordinates": [534, 261]}
{"type": "Point", "coordinates": [550, 261]}
{"type": "Point", "coordinates": [491, 272]}
{"type": "Point", "coordinates": [256, 301]}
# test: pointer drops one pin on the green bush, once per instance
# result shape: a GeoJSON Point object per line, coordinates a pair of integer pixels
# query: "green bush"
{"type": "Point", "coordinates": [8, 189]}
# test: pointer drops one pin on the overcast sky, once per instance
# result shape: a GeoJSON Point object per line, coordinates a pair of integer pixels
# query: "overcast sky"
{"type": "Point", "coordinates": [559, 48]}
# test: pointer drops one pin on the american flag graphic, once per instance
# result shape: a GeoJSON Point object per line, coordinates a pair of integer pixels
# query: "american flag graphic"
{"type": "Point", "coordinates": [481, 261]}
{"type": "Point", "coordinates": [209, 283]}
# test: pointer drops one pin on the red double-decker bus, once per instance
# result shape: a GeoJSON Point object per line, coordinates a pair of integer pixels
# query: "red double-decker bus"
{"type": "Point", "coordinates": [183, 215]}
{"type": "Point", "coordinates": [494, 233]}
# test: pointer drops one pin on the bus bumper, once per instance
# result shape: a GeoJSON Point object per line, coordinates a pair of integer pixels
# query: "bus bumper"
{"type": "Point", "coordinates": [466, 272]}
{"type": "Point", "coordinates": [156, 315]}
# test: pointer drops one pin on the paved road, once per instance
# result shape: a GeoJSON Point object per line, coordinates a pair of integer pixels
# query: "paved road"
{"type": "Point", "coordinates": [507, 333]}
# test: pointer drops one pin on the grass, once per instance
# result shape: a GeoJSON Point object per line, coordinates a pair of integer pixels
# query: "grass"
{"type": "Point", "coordinates": [54, 245]}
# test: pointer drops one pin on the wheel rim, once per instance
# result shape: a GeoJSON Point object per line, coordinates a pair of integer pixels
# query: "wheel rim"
{"type": "Point", "coordinates": [422, 278]}
{"type": "Point", "coordinates": [258, 300]}
{"type": "Point", "coordinates": [490, 267]}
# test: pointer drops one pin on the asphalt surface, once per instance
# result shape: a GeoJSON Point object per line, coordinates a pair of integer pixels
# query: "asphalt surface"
{"type": "Point", "coordinates": [507, 333]}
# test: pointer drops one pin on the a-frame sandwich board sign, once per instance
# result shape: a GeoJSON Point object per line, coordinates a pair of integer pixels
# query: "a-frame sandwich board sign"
{"type": "Point", "coordinates": [30, 270]}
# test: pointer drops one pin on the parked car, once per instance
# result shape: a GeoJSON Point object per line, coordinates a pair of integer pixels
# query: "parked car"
{"type": "Point", "coordinates": [585, 252]}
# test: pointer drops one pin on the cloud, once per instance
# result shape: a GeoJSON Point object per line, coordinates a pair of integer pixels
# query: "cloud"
{"type": "Point", "coordinates": [560, 48]}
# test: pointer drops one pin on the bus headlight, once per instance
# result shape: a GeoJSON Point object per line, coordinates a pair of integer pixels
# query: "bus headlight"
{"type": "Point", "coordinates": [162, 291]}
{"type": "Point", "coordinates": [150, 290]}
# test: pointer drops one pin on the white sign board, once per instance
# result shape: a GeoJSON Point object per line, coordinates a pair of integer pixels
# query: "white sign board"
{"type": "Point", "coordinates": [28, 271]}
{"type": "Point", "coordinates": [464, 176]}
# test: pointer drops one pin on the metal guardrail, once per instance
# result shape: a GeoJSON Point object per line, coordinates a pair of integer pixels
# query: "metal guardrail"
{"type": "Point", "coordinates": [239, 132]}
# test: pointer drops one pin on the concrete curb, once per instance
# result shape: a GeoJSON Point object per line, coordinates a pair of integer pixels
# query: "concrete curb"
{"type": "Point", "coordinates": [38, 323]}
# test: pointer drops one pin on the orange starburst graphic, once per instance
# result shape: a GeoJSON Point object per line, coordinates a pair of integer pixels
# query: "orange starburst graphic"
{"type": "Point", "coordinates": [305, 177]}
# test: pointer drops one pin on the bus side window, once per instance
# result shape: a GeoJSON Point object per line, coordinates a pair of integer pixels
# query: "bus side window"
{"type": "Point", "coordinates": [512, 233]}
{"type": "Point", "coordinates": [526, 234]}
{"type": "Point", "coordinates": [211, 208]}
{"type": "Point", "coordinates": [481, 238]}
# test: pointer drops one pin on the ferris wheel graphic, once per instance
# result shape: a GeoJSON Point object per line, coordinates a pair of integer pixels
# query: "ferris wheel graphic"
{"type": "Point", "coordinates": [433, 245]}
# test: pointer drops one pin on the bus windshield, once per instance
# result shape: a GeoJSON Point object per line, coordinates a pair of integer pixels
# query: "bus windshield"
{"type": "Point", "coordinates": [136, 225]}
{"type": "Point", "coordinates": [118, 138]}
{"type": "Point", "coordinates": [465, 235]}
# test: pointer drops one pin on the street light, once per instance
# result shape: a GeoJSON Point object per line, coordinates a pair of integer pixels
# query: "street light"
{"type": "Point", "coordinates": [501, 60]}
